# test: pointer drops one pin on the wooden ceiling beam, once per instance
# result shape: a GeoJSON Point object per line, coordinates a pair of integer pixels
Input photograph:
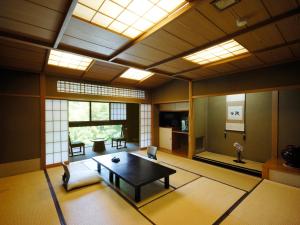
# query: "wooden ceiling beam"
{"type": "Point", "coordinates": [65, 23]}
{"type": "Point", "coordinates": [191, 4]}
{"type": "Point", "coordinates": [98, 57]}
{"type": "Point", "coordinates": [286, 44]}
{"type": "Point", "coordinates": [87, 69]}
{"type": "Point", "coordinates": [229, 36]}
{"type": "Point", "coordinates": [45, 61]}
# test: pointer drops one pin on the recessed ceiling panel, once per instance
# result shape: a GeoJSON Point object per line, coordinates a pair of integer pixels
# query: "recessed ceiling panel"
{"type": "Point", "coordinates": [147, 53]}
{"type": "Point", "coordinates": [261, 38]}
{"type": "Point", "coordinates": [92, 35]}
{"type": "Point", "coordinates": [30, 19]}
{"type": "Point", "coordinates": [275, 55]}
{"type": "Point", "coordinates": [290, 28]}
{"type": "Point", "coordinates": [154, 81]}
{"type": "Point", "coordinates": [21, 57]}
{"type": "Point", "coordinates": [279, 6]}
{"type": "Point", "coordinates": [101, 71]}
{"type": "Point", "coordinates": [176, 65]}
{"type": "Point", "coordinates": [217, 52]}
{"type": "Point", "coordinates": [247, 62]}
{"type": "Point", "coordinates": [200, 73]}
{"type": "Point", "coordinates": [167, 42]}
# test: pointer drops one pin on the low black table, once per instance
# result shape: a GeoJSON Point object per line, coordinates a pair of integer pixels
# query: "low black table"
{"type": "Point", "coordinates": [134, 170]}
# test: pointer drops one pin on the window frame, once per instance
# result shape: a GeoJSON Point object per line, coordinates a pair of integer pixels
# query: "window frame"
{"type": "Point", "coordinates": [91, 122]}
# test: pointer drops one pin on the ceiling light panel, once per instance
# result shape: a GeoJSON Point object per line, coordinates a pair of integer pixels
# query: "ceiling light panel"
{"type": "Point", "coordinates": [130, 18]}
{"type": "Point", "coordinates": [68, 60]}
{"type": "Point", "coordinates": [136, 74]}
{"type": "Point", "coordinates": [218, 52]}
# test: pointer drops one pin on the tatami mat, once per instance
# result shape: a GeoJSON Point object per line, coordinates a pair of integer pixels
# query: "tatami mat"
{"type": "Point", "coordinates": [25, 199]}
{"type": "Point", "coordinates": [229, 160]}
{"type": "Point", "coordinates": [236, 179]}
{"type": "Point", "coordinates": [181, 177]}
{"type": "Point", "coordinates": [95, 204]}
{"type": "Point", "coordinates": [270, 203]}
{"type": "Point", "coordinates": [202, 201]}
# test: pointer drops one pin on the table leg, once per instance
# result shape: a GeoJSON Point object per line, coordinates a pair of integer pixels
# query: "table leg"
{"type": "Point", "coordinates": [111, 177]}
{"type": "Point", "coordinates": [137, 196]}
{"type": "Point", "coordinates": [167, 182]}
{"type": "Point", "coordinates": [99, 168]}
{"type": "Point", "coordinates": [117, 181]}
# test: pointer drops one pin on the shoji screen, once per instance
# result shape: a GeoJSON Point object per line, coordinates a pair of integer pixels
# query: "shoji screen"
{"type": "Point", "coordinates": [56, 131]}
{"type": "Point", "coordinates": [118, 111]}
{"type": "Point", "coordinates": [145, 125]}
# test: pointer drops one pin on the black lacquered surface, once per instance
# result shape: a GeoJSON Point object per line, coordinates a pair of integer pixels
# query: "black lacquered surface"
{"type": "Point", "coordinates": [133, 169]}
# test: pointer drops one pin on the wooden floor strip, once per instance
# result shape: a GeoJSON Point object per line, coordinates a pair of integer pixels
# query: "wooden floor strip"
{"type": "Point", "coordinates": [56, 203]}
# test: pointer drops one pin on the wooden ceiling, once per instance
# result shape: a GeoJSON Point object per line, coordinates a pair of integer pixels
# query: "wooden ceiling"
{"type": "Point", "coordinates": [29, 28]}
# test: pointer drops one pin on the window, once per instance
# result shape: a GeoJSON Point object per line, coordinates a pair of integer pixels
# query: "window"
{"type": "Point", "coordinates": [93, 89]}
{"type": "Point", "coordinates": [100, 111]}
{"type": "Point", "coordinates": [118, 111]}
{"type": "Point", "coordinates": [96, 111]}
{"type": "Point", "coordinates": [86, 134]}
{"type": "Point", "coordinates": [79, 111]}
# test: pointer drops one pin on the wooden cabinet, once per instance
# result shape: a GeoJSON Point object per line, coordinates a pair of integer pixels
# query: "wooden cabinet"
{"type": "Point", "coordinates": [165, 138]}
{"type": "Point", "coordinates": [178, 106]}
{"type": "Point", "coordinates": [275, 170]}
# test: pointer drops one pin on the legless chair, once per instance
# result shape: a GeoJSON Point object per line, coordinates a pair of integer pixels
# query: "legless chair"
{"type": "Point", "coordinates": [151, 152]}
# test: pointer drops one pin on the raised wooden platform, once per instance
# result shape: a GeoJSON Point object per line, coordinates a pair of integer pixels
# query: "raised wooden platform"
{"type": "Point", "coordinates": [250, 167]}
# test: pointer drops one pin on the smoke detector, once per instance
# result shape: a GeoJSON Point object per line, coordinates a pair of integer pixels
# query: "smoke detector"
{"type": "Point", "coordinates": [241, 22]}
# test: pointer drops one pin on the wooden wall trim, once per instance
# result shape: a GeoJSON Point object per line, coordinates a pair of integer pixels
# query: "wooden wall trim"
{"type": "Point", "coordinates": [191, 141]}
{"type": "Point", "coordinates": [14, 168]}
{"type": "Point", "coordinates": [290, 87]}
{"type": "Point", "coordinates": [19, 95]}
{"type": "Point", "coordinates": [166, 102]}
{"type": "Point", "coordinates": [43, 119]}
{"type": "Point", "coordinates": [275, 109]}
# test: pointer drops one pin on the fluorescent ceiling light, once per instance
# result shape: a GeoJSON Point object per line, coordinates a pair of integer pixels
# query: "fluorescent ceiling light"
{"type": "Point", "coordinates": [218, 52]}
{"type": "Point", "coordinates": [127, 17]}
{"type": "Point", "coordinates": [68, 60]}
{"type": "Point", "coordinates": [223, 4]}
{"type": "Point", "coordinates": [136, 74]}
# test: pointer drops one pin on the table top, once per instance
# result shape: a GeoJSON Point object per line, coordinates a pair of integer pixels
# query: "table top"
{"type": "Point", "coordinates": [135, 170]}
{"type": "Point", "coordinates": [98, 139]}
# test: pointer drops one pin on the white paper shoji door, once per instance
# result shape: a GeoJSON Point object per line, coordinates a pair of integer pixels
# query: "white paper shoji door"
{"type": "Point", "coordinates": [118, 111]}
{"type": "Point", "coordinates": [56, 131]}
{"type": "Point", "coordinates": [145, 125]}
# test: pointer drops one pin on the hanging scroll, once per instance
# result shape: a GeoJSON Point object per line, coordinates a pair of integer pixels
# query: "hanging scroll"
{"type": "Point", "coordinates": [235, 112]}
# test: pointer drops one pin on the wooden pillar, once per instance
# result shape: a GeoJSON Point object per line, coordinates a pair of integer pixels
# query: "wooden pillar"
{"type": "Point", "coordinates": [275, 103]}
{"type": "Point", "coordinates": [191, 149]}
{"type": "Point", "coordinates": [43, 119]}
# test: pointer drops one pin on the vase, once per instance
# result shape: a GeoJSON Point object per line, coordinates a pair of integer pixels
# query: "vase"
{"type": "Point", "coordinates": [291, 155]}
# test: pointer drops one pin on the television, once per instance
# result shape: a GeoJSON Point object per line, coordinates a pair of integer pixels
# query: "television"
{"type": "Point", "coordinates": [176, 120]}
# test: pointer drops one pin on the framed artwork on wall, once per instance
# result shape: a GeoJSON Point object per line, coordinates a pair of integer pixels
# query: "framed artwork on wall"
{"type": "Point", "coordinates": [235, 112]}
